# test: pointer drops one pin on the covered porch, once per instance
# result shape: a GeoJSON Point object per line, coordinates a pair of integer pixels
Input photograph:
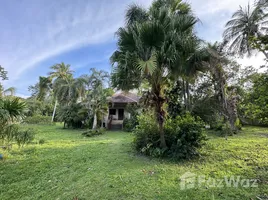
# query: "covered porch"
{"type": "Point", "coordinates": [117, 110]}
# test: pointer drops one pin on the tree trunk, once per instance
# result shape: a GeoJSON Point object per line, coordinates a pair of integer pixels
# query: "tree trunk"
{"type": "Point", "coordinates": [184, 94]}
{"type": "Point", "coordinates": [188, 101]}
{"type": "Point", "coordinates": [95, 121]}
{"type": "Point", "coordinates": [161, 119]}
{"type": "Point", "coordinates": [54, 111]}
{"type": "Point", "coordinates": [162, 135]}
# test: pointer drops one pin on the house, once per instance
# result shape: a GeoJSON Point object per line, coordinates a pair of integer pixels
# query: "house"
{"type": "Point", "coordinates": [117, 109]}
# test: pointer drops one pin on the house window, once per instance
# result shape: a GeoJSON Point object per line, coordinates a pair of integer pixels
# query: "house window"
{"type": "Point", "coordinates": [112, 111]}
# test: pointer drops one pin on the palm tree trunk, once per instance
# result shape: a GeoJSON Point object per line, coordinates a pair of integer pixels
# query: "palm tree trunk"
{"type": "Point", "coordinates": [95, 121]}
{"type": "Point", "coordinates": [54, 111]}
{"type": "Point", "coordinates": [160, 118]}
{"type": "Point", "coordinates": [162, 135]}
{"type": "Point", "coordinates": [188, 96]}
{"type": "Point", "coordinates": [184, 94]}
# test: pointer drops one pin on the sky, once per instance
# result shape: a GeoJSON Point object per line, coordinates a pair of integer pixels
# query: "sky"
{"type": "Point", "coordinates": [36, 34]}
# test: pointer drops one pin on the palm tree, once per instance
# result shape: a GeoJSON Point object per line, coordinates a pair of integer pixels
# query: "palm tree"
{"type": "Point", "coordinates": [156, 49]}
{"type": "Point", "coordinates": [68, 91]}
{"type": "Point", "coordinates": [217, 62]}
{"type": "Point", "coordinates": [44, 88]}
{"type": "Point", "coordinates": [60, 71]}
{"type": "Point", "coordinates": [96, 97]}
{"type": "Point", "coordinates": [246, 23]}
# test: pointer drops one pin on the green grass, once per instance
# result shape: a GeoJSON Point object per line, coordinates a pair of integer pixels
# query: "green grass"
{"type": "Point", "coordinates": [68, 165]}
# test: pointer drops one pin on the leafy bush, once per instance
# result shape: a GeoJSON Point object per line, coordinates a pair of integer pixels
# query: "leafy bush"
{"type": "Point", "coordinates": [238, 124]}
{"type": "Point", "coordinates": [217, 123]}
{"type": "Point", "coordinates": [132, 122]}
{"type": "Point", "coordinates": [8, 132]}
{"type": "Point", "coordinates": [146, 134]}
{"type": "Point", "coordinates": [41, 141]}
{"type": "Point", "coordinates": [24, 137]}
{"type": "Point", "coordinates": [72, 116]}
{"type": "Point", "coordinates": [226, 129]}
{"type": "Point", "coordinates": [38, 119]}
{"type": "Point", "coordinates": [184, 135]}
{"type": "Point", "coordinates": [94, 132]}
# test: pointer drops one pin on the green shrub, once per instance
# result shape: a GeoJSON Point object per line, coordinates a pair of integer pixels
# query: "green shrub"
{"type": "Point", "coordinates": [226, 129]}
{"type": "Point", "coordinates": [146, 134]}
{"type": "Point", "coordinates": [8, 133]}
{"type": "Point", "coordinates": [38, 119]}
{"type": "Point", "coordinates": [184, 136]}
{"type": "Point", "coordinates": [93, 132]}
{"type": "Point", "coordinates": [132, 122]}
{"type": "Point", "coordinates": [238, 124]}
{"type": "Point", "coordinates": [217, 123]}
{"type": "Point", "coordinates": [24, 137]}
{"type": "Point", "coordinates": [41, 141]}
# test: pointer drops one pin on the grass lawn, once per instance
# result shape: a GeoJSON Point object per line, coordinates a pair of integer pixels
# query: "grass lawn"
{"type": "Point", "coordinates": [68, 165]}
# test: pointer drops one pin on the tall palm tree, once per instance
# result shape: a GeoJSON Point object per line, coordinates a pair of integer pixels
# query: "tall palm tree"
{"type": "Point", "coordinates": [68, 91]}
{"type": "Point", "coordinates": [217, 63]}
{"type": "Point", "coordinates": [44, 88]}
{"type": "Point", "coordinates": [155, 49]}
{"type": "Point", "coordinates": [246, 23]}
{"type": "Point", "coordinates": [60, 71]}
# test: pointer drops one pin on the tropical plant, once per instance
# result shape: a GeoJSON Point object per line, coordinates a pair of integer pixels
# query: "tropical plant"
{"type": "Point", "coordinates": [24, 137]}
{"type": "Point", "coordinates": [184, 136]}
{"type": "Point", "coordinates": [225, 95]}
{"type": "Point", "coordinates": [254, 106]}
{"type": "Point", "coordinates": [157, 46]}
{"type": "Point", "coordinates": [246, 23]}
{"type": "Point", "coordinates": [11, 110]}
{"type": "Point", "coordinates": [72, 116]}
{"type": "Point", "coordinates": [129, 124]}
{"type": "Point", "coordinates": [96, 96]}
{"type": "Point", "coordinates": [68, 91]}
{"type": "Point", "coordinates": [60, 73]}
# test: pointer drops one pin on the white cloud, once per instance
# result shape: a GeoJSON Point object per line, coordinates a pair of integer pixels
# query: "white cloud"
{"type": "Point", "coordinates": [38, 30]}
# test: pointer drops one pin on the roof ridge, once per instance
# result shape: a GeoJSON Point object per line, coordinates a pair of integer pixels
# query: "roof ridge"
{"type": "Point", "coordinates": [130, 98]}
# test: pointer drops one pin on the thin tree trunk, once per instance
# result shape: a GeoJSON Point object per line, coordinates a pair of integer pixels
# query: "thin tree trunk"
{"type": "Point", "coordinates": [54, 111]}
{"type": "Point", "coordinates": [184, 94]}
{"type": "Point", "coordinates": [95, 121]}
{"type": "Point", "coordinates": [188, 96]}
{"type": "Point", "coordinates": [161, 119]}
{"type": "Point", "coordinates": [162, 135]}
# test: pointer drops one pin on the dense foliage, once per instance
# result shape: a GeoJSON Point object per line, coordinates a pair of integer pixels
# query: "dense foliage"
{"type": "Point", "coordinates": [38, 119]}
{"type": "Point", "coordinates": [130, 123]}
{"type": "Point", "coordinates": [254, 107]}
{"type": "Point", "coordinates": [184, 135]}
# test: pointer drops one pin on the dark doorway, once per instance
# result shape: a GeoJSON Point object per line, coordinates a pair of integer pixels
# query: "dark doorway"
{"type": "Point", "coordinates": [120, 114]}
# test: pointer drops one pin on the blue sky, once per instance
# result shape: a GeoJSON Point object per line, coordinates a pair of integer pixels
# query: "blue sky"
{"type": "Point", "coordinates": [35, 34]}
